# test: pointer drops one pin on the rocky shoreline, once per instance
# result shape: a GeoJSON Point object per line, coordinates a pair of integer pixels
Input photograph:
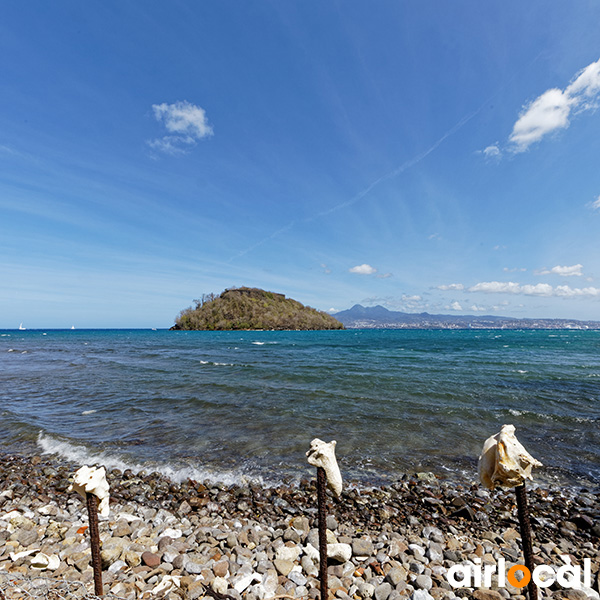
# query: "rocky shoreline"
{"type": "Point", "coordinates": [195, 539]}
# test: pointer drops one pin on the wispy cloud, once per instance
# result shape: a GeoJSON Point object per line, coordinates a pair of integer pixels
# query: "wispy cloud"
{"type": "Point", "coordinates": [492, 152]}
{"type": "Point", "coordinates": [514, 270]}
{"type": "Point", "coordinates": [186, 124]}
{"type": "Point", "coordinates": [595, 204]}
{"type": "Point", "coordinates": [363, 269]}
{"type": "Point", "coordinates": [452, 286]}
{"type": "Point", "coordinates": [551, 111]}
{"type": "Point", "coordinates": [541, 289]}
{"type": "Point", "coordinates": [572, 271]}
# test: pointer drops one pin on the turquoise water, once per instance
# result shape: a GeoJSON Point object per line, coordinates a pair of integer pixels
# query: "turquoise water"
{"type": "Point", "coordinates": [229, 405]}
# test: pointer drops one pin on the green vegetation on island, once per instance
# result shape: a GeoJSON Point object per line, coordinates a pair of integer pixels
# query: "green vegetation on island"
{"type": "Point", "coordinates": [252, 308]}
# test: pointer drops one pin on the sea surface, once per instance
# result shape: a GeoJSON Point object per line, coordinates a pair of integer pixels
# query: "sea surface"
{"type": "Point", "coordinates": [232, 406]}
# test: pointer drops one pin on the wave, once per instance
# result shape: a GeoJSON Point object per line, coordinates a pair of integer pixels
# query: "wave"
{"type": "Point", "coordinates": [84, 456]}
{"type": "Point", "coordinates": [548, 417]}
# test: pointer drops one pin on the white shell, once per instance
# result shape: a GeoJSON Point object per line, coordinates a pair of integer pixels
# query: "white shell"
{"type": "Point", "coordinates": [168, 584]}
{"type": "Point", "coordinates": [504, 461]}
{"type": "Point", "coordinates": [93, 481]}
{"type": "Point", "coordinates": [322, 454]}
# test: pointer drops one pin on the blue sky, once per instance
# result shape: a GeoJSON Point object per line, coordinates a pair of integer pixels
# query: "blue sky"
{"type": "Point", "coordinates": [427, 156]}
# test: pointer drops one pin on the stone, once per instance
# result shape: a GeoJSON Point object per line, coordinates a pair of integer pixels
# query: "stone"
{"type": "Point", "coordinates": [421, 595]}
{"type": "Point", "coordinates": [396, 575]}
{"type": "Point", "coordinates": [27, 537]}
{"type": "Point", "coordinates": [382, 591]}
{"type": "Point", "coordinates": [219, 585]}
{"type": "Point", "coordinates": [290, 553]}
{"type": "Point", "coordinates": [339, 553]}
{"type": "Point", "coordinates": [283, 566]}
{"type": "Point", "coordinates": [221, 568]}
{"type": "Point", "coordinates": [362, 547]}
{"type": "Point", "coordinates": [132, 558]}
{"type": "Point", "coordinates": [423, 582]}
{"type": "Point", "coordinates": [366, 590]}
{"type": "Point", "coordinates": [150, 559]}
{"type": "Point", "coordinates": [483, 594]}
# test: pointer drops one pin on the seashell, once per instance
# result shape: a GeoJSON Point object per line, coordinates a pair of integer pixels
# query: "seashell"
{"type": "Point", "coordinates": [92, 480]}
{"type": "Point", "coordinates": [504, 461]}
{"type": "Point", "coordinates": [43, 561]}
{"type": "Point", "coordinates": [168, 584]}
{"type": "Point", "coordinates": [322, 454]}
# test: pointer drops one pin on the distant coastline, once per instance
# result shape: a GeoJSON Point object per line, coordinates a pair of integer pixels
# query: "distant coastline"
{"type": "Point", "coordinates": [379, 317]}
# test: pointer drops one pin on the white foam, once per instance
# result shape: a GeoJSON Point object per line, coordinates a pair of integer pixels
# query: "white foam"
{"type": "Point", "coordinates": [259, 343]}
{"type": "Point", "coordinates": [83, 456]}
{"type": "Point", "coordinates": [88, 412]}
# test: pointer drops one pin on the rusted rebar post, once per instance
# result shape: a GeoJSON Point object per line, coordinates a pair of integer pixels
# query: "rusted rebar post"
{"type": "Point", "coordinates": [92, 506]}
{"type": "Point", "coordinates": [526, 537]}
{"type": "Point", "coordinates": [322, 502]}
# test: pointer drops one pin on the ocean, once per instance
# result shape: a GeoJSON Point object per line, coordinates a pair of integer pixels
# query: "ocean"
{"type": "Point", "coordinates": [234, 406]}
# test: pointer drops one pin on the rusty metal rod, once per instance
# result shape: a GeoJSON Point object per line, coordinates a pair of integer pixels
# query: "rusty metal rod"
{"type": "Point", "coordinates": [92, 506]}
{"type": "Point", "coordinates": [526, 537]}
{"type": "Point", "coordinates": [322, 500]}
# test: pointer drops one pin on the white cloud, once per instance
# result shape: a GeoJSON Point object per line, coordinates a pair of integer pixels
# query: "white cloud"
{"type": "Point", "coordinates": [407, 298]}
{"type": "Point", "coordinates": [452, 286]}
{"type": "Point", "coordinates": [477, 308]}
{"type": "Point", "coordinates": [363, 270]}
{"type": "Point", "coordinates": [551, 110]}
{"type": "Point", "coordinates": [595, 205]}
{"type": "Point", "coordinates": [492, 151]}
{"type": "Point", "coordinates": [325, 268]}
{"type": "Point", "coordinates": [514, 270]}
{"type": "Point", "coordinates": [574, 270]}
{"type": "Point", "coordinates": [455, 306]}
{"type": "Point", "coordinates": [541, 289]}
{"type": "Point", "coordinates": [186, 124]}
{"type": "Point", "coordinates": [384, 275]}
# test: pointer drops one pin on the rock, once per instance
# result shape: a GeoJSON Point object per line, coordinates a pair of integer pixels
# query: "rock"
{"type": "Point", "coordinates": [423, 582]}
{"type": "Point", "coordinates": [297, 577]}
{"type": "Point", "coordinates": [221, 568]}
{"type": "Point", "coordinates": [421, 595]}
{"type": "Point", "coordinates": [483, 594]}
{"type": "Point", "coordinates": [339, 553]}
{"type": "Point", "coordinates": [290, 553]}
{"type": "Point", "coordinates": [396, 575]}
{"type": "Point", "coordinates": [283, 566]}
{"type": "Point", "coordinates": [362, 547]}
{"type": "Point", "coordinates": [150, 559]}
{"type": "Point", "coordinates": [219, 585]}
{"type": "Point", "coordinates": [132, 558]}
{"type": "Point", "coordinates": [366, 590]}
{"type": "Point", "coordinates": [382, 591]}
{"type": "Point", "coordinates": [27, 537]}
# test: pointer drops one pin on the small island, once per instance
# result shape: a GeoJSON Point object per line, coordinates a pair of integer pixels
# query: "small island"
{"type": "Point", "coordinates": [252, 308]}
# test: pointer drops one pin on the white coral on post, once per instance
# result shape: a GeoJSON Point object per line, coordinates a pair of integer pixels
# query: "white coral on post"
{"type": "Point", "coordinates": [322, 454]}
{"type": "Point", "coordinates": [504, 461]}
{"type": "Point", "coordinates": [93, 481]}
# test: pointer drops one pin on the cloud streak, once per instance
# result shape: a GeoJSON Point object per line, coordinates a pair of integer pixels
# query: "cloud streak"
{"type": "Point", "coordinates": [540, 289]}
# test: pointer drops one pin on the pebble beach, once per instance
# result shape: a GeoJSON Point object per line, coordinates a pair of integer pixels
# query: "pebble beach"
{"type": "Point", "coordinates": [200, 539]}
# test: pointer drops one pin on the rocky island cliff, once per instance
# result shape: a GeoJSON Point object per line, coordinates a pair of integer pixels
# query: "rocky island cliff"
{"type": "Point", "coordinates": [252, 308]}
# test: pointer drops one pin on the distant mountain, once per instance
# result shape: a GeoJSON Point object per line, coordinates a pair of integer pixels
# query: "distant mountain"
{"type": "Point", "coordinates": [379, 317]}
{"type": "Point", "coordinates": [252, 308]}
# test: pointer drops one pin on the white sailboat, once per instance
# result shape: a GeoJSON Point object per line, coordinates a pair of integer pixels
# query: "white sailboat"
{"type": "Point", "coordinates": [21, 327]}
